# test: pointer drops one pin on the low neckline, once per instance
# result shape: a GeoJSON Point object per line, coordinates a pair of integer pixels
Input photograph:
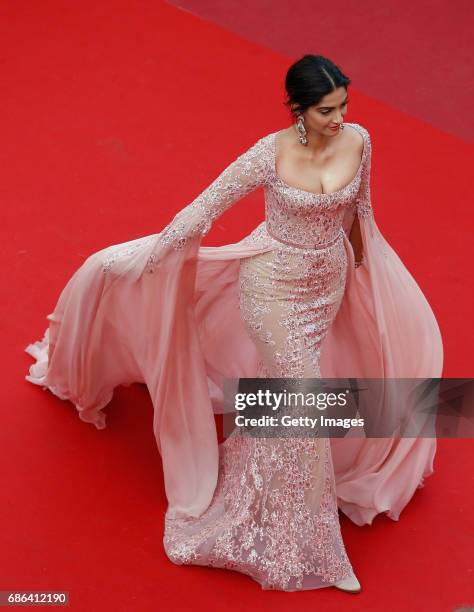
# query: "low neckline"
{"type": "Point", "coordinates": [312, 193]}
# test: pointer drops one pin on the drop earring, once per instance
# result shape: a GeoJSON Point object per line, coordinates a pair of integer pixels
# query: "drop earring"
{"type": "Point", "coordinates": [301, 129]}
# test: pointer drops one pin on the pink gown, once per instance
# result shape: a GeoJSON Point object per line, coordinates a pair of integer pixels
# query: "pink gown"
{"type": "Point", "coordinates": [286, 301]}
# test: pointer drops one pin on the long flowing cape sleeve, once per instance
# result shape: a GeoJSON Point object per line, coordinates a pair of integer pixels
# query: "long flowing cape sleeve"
{"type": "Point", "coordinates": [385, 328]}
{"type": "Point", "coordinates": [128, 315]}
{"type": "Point", "coordinates": [245, 174]}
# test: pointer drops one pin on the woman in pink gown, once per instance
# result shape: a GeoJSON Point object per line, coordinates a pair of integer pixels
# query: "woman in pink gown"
{"type": "Point", "coordinates": [313, 291]}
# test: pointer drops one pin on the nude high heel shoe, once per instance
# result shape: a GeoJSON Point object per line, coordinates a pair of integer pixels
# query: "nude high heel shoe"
{"type": "Point", "coordinates": [349, 584]}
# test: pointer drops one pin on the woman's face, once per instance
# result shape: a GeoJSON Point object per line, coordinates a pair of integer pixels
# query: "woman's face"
{"type": "Point", "coordinates": [328, 112]}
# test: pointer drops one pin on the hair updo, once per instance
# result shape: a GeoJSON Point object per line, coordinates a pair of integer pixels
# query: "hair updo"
{"type": "Point", "coordinates": [310, 79]}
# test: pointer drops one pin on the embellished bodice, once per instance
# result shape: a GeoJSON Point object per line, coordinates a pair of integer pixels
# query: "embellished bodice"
{"type": "Point", "coordinates": [292, 214]}
{"type": "Point", "coordinates": [303, 217]}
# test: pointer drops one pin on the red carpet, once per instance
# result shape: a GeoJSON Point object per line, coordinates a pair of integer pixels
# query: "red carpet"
{"type": "Point", "coordinates": [115, 116]}
{"type": "Point", "coordinates": [415, 56]}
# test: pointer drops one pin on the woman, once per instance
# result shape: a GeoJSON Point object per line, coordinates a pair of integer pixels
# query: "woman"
{"type": "Point", "coordinates": [315, 290]}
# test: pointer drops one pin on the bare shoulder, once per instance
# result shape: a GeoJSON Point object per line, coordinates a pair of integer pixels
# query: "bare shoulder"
{"type": "Point", "coordinates": [357, 136]}
{"type": "Point", "coordinates": [285, 140]}
{"type": "Point", "coordinates": [362, 132]}
{"type": "Point", "coordinates": [284, 133]}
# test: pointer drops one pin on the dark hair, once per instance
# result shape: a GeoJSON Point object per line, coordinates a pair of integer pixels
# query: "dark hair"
{"type": "Point", "coordinates": [310, 79]}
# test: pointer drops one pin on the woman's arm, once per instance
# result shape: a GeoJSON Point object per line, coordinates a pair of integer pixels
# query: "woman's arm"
{"type": "Point", "coordinates": [355, 238]}
{"type": "Point", "coordinates": [245, 174]}
{"type": "Point", "coordinates": [363, 201]}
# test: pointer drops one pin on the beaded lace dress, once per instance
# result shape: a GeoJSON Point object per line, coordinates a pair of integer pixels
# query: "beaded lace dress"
{"type": "Point", "coordinates": [286, 301]}
{"type": "Point", "coordinates": [275, 515]}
